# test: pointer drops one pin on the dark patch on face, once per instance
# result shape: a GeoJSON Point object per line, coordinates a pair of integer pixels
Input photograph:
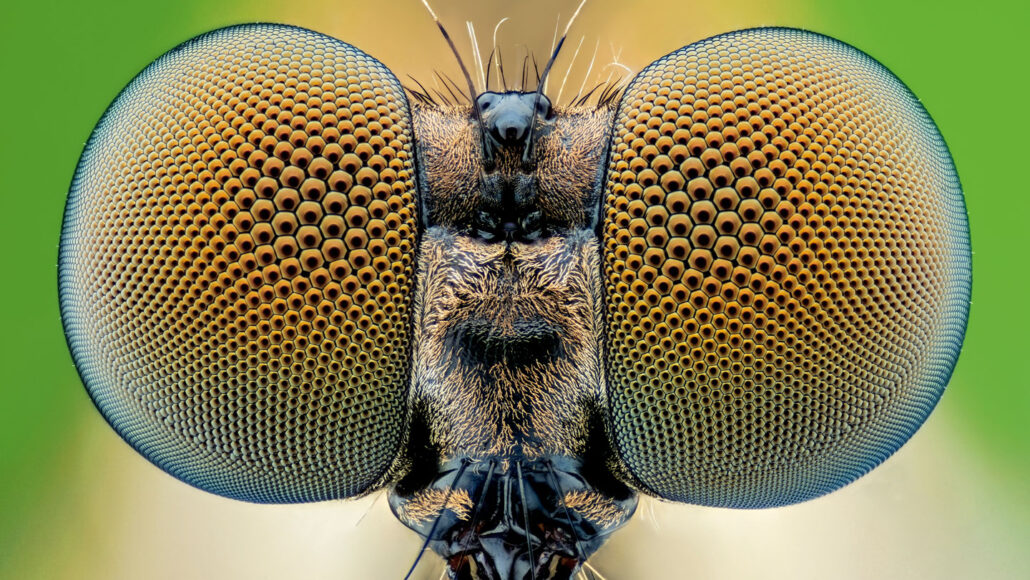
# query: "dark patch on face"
{"type": "Point", "coordinates": [599, 462]}
{"type": "Point", "coordinates": [481, 342]}
{"type": "Point", "coordinates": [423, 457]}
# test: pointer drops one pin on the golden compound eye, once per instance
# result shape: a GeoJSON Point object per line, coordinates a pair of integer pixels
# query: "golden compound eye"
{"type": "Point", "coordinates": [236, 264]}
{"type": "Point", "coordinates": [786, 263]}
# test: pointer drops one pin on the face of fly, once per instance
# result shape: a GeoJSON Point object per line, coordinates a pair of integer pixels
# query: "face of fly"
{"type": "Point", "coordinates": [507, 374]}
{"type": "Point", "coordinates": [416, 293]}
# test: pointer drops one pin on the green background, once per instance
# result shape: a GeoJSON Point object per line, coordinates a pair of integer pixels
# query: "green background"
{"type": "Point", "coordinates": [63, 474]}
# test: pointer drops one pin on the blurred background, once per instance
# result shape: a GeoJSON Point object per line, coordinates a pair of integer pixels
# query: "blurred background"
{"type": "Point", "coordinates": [76, 502]}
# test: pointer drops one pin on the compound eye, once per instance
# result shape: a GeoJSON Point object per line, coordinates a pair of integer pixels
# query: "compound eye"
{"type": "Point", "coordinates": [786, 267]}
{"type": "Point", "coordinates": [236, 264]}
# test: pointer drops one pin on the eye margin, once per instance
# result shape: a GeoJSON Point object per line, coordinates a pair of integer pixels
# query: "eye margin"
{"type": "Point", "coordinates": [636, 456]}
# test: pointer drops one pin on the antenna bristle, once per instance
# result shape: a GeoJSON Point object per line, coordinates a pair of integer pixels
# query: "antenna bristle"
{"type": "Point", "coordinates": [477, 58]}
{"type": "Point", "coordinates": [525, 68]}
{"type": "Point", "coordinates": [572, 62]}
{"type": "Point", "coordinates": [486, 84]}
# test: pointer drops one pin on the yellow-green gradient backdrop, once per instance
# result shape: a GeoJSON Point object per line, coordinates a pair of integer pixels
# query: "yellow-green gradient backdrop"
{"type": "Point", "coordinates": [76, 502]}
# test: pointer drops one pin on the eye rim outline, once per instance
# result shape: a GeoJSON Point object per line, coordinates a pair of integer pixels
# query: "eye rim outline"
{"type": "Point", "coordinates": [623, 469]}
{"type": "Point", "coordinates": [392, 469]}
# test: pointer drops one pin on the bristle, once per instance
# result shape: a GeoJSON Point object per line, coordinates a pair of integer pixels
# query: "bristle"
{"type": "Point", "coordinates": [500, 70]}
{"type": "Point", "coordinates": [477, 58]}
{"type": "Point", "coordinates": [594, 574]}
{"type": "Point", "coordinates": [418, 96]}
{"type": "Point", "coordinates": [368, 510]}
{"type": "Point", "coordinates": [436, 522]}
{"type": "Point", "coordinates": [615, 62]}
{"type": "Point", "coordinates": [430, 9]}
{"type": "Point", "coordinates": [554, 40]}
{"type": "Point", "coordinates": [589, 68]}
{"type": "Point", "coordinates": [616, 55]}
{"type": "Point", "coordinates": [496, 28]}
{"type": "Point", "coordinates": [525, 518]}
{"type": "Point", "coordinates": [447, 86]}
{"type": "Point", "coordinates": [580, 552]}
{"type": "Point", "coordinates": [611, 92]}
{"type": "Point", "coordinates": [489, 61]}
{"type": "Point", "coordinates": [568, 70]}
{"type": "Point", "coordinates": [525, 68]}
{"type": "Point", "coordinates": [425, 91]}
{"type": "Point", "coordinates": [526, 152]}
{"type": "Point", "coordinates": [574, 15]}
{"type": "Point", "coordinates": [582, 100]}
{"type": "Point", "coordinates": [468, 81]}
{"type": "Point", "coordinates": [604, 93]}
{"type": "Point", "coordinates": [457, 89]}
{"type": "Point", "coordinates": [443, 98]}
{"type": "Point", "coordinates": [476, 511]}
